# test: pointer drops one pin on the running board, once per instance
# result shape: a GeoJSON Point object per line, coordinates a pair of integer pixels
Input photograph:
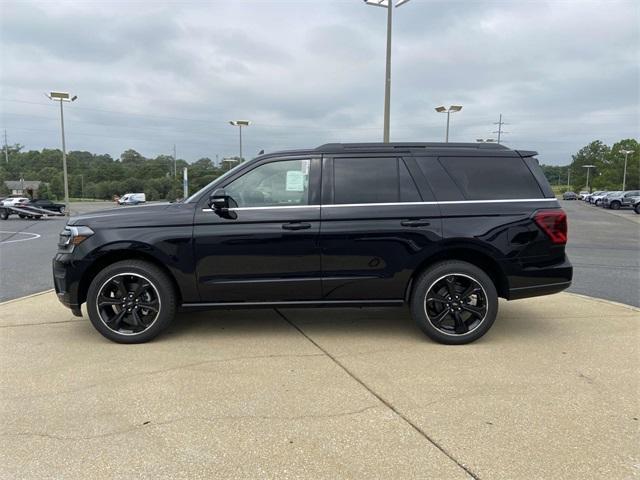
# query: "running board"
{"type": "Point", "coordinates": [297, 303]}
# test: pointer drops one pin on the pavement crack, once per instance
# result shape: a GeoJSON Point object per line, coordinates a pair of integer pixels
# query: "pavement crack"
{"type": "Point", "coordinates": [385, 402]}
{"type": "Point", "coordinates": [191, 417]}
{"type": "Point", "coordinates": [41, 323]}
{"type": "Point", "coordinates": [164, 370]}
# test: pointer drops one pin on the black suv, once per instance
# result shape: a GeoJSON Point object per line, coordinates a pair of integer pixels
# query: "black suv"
{"type": "Point", "coordinates": [445, 228]}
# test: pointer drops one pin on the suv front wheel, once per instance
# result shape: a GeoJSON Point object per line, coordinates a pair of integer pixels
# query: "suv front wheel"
{"type": "Point", "coordinates": [131, 301]}
{"type": "Point", "coordinates": [454, 302]}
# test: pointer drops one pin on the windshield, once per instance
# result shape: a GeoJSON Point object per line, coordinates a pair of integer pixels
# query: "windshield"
{"type": "Point", "coordinates": [206, 187]}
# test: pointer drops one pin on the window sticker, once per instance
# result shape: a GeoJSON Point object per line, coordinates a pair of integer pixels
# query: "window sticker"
{"type": "Point", "coordinates": [295, 181]}
{"type": "Point", "coordinates": [305, 167]}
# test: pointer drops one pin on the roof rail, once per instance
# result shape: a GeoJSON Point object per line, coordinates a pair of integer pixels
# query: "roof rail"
{"type": "Point", "coordinates": [405, 145]}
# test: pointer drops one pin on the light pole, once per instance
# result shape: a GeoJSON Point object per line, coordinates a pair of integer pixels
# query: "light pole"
{"type": "Point", "coordinates": [588, 167]}
{"type": "Point", "coordinates": [63, 97]}
{"type": "Point", "coordinates": [624, 175]}
{"type": "Point", "coordinates": [240, 124]}
{"type": "Point", "coordinates": [387, 78]}
{"type": "Point", "coordinates": [448, 111]}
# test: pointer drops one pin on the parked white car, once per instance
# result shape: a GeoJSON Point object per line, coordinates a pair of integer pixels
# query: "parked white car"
{"type": "Point", "coordinates": [132, 199]}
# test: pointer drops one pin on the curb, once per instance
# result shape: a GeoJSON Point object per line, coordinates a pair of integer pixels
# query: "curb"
{"type": "Point", "coordinates": [602, 300]}
{"type": "Point", "coordinates": [25, 297]}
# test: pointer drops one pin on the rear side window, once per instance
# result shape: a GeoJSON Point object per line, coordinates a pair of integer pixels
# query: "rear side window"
{"type": "Point", "coordinates": [373, 180]}
{"type": "Point", "coordinates": [485, 178]}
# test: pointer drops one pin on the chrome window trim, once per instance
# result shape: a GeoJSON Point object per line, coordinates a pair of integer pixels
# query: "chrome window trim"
{"type": "Point", "coordinates": [394, 204]}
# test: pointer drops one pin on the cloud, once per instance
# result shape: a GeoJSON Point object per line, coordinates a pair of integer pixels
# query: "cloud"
{"type": "Point", "coordinates": [149, 75]}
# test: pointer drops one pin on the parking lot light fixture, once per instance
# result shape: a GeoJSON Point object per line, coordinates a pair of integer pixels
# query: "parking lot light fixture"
{"type": "Point", "coordinates": [63, 97]}
{"type": "Point", "coordinates": [388, 4]}
{"type": "Point", "coordinates": [240, 124]}
{"type": "Point", "coordinates": [624, 174]}
{"type": "Point", "coordinates": [588, 167]}
{"type": "Point", "coordinates": [448, 111]}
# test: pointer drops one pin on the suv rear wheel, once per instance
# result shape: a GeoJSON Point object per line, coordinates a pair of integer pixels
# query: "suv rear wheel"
{"type": "Point", "coordinates": [615, 205]}
{"type": "Point", "coordinates": [131, 301]}
{"type": "Point", "coordinates": [454, 302]}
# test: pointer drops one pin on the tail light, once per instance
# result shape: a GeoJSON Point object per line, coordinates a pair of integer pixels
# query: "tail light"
{"type": "Point", "coordinates": [554, 224]}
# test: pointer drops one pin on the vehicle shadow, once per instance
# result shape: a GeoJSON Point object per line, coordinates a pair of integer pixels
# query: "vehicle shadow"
{"type": "Point", "coordinates": [390, 322]}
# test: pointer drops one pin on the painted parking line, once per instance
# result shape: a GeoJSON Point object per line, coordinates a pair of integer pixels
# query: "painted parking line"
{"type": "Point", "coordinates": [30, 236]}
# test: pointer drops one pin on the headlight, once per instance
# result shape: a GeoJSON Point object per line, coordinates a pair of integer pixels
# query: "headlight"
{"type": "Point", "coordinates": [72, 236]}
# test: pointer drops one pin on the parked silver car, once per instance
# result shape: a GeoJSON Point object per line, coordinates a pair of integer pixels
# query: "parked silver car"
{"type": "Point", "coordinates": [596, 198]}
{"type": "Point", "coordinates": [616, 200]}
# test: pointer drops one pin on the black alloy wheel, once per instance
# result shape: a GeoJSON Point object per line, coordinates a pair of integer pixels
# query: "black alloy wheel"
{"type": "Point", "coordinates": [454, 302]}
{"type": "Point", "coordinates": [128, 303]}
{"type": "Point", "coordinates": [131, 301]}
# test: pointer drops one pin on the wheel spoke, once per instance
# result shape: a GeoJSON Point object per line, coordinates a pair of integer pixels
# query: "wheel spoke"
{"type": "Point", "coordinates": [114, 322]}
{"type": "Point", "coordinates": [141, 288]}
{"type": "Point", "coordinates": [471, 289]}
{"type": "Point", "coordinates": [450, 283]}
{"type": "Point", "coordinates": [119, 284]}
{"type": "Point", "coordinates": [436, 298]}
{"type": "Point", "coordinates": [104, 301]}
{"type": "Point", "coordinates": [460, 326]}
{"type": "Point", "coordinates": [137, 321]}
{"type": "Point", "coordinates": [477, 312]}
{"type": "Point", "coordinates": [153, 306]}
{"type": "Point", "coordinates": [437, 320]}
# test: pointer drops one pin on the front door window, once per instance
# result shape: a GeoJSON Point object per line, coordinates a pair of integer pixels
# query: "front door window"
{"type": "Point", "coordinates": [275, 184]}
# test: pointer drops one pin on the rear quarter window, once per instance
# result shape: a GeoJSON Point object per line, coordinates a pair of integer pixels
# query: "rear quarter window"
{"type": "Point", "coordinates": [488, 178]}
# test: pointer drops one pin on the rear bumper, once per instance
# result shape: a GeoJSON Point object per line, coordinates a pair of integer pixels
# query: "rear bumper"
{"type": "Point", "coordinates": [533, 281]}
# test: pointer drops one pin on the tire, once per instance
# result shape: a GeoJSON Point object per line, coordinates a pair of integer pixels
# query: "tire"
{"type": "Point", "coordinates": [4, 215]}
{"type": "Point", "coordinates": [431, 281]}
{"type": "Point", "coordinates": [614, 205]}
{"type": "Point", "coordinates": [160, 296]}
{"type": "Point", "coordinates": [637, 208]}
{"type": "Point", "coordinates": [22, 216]}
{"type": "Point", "coordinates": [61, 210]}
{"type": "Point", "coordinates": [597, 203]}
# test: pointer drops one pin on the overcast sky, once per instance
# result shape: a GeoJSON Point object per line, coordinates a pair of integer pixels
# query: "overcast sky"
{"type": "Point", "coordinates": [306, 72]}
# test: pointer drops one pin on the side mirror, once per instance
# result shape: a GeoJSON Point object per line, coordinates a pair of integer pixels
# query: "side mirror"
{"type": "Point", "coordinates": [219, 200]}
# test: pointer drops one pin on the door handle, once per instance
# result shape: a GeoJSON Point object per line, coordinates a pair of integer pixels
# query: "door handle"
{"type": "Point", "coordinates": [415, 223]}
{"type": "Point", "coordinates": [296, 226]}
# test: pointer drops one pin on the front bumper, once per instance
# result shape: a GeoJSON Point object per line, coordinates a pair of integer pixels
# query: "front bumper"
{"type": "Point", "coordinates": [67, 274]}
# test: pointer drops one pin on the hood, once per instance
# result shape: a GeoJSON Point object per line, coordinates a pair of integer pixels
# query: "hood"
{"type": "Point", "coordinates": [156, 214]}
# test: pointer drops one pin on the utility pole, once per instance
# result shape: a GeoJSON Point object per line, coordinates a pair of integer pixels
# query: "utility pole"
{"type": "Point", "coordinates": [568, 177]}
{"type": "Point", "coordinates": [240, 124]}
{"type": "Point", "coordinates": [500, 123]}
{"type": "Point", "coordinates": [588, 167]}
{"type": "Point", "coordinates": [6, 147]}
{"type": "Point", "coordinates": [448, 111]}
{"type": "Point", "coordinates": [175, 172]}
{"type": "Point", "coordinates": [63, 97]}
{"type": "Point", "coordinates": [624, 175]}
{"type": "Point", "coordinates": [388, 4]}
{"type": "Point", "coordinates": [82, 185]}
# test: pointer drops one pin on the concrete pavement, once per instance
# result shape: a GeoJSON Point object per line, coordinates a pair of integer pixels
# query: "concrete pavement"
{"type": "Point", "coordinates": [550, 392]}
